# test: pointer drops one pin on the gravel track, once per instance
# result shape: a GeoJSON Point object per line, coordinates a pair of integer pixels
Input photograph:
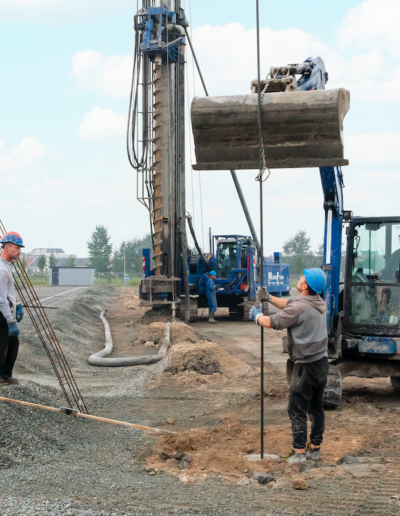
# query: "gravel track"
{"type": "Point", "coordinates": [53, 464]}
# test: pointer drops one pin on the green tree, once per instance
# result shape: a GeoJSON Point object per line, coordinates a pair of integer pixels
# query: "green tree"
{"type": "Point", "coordinates": [133, 254]}
{"type": "Point", "coordinates": [42, 262]}
{"type": "Point", "coordinates": [100, 249]}
{"type": "Point", "coordinates": [298, 253]}
{"type": "Point", "coordinates": [70, 261]}
{"type": "Point", "coordinates": [52, 261]}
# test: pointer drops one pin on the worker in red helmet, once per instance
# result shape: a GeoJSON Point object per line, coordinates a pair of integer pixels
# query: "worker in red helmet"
{"type": "Point", "coordinates": [11, 311]}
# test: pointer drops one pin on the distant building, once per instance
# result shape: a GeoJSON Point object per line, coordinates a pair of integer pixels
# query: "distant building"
{"type": "Point", "coordinates": [48, 251]}
{"type": "Point", "coordinates": [32, 263]}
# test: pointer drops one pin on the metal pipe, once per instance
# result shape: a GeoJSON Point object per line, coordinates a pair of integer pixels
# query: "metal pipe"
{"type": "Point", "coordinates": [98, 359]}
{"type": "Point", "coordinates": [69, 411]}
{"type": "Point", "coordinates": [245, 209]}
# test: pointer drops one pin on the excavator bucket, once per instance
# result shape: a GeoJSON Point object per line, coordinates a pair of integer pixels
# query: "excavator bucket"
{"type": "Point", "coordinates": [300, 129]}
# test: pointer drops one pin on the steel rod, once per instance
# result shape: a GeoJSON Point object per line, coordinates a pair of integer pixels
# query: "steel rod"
{"type": "Point", "coordinates": [261, 218]}
{"type": "Point", "coordinates": [86, 416]}
{"type": "Point", "coordinates": [47, 335]}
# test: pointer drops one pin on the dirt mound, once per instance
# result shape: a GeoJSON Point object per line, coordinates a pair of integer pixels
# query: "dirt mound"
{"type": "Point", "coordinates": [180, 332]}
{"type": "Point", "coordinates": [206, 358]}
{"type": "Point", "coordinates": [222, 449]}
{"type": "Point", "coordinates": [160, 314]}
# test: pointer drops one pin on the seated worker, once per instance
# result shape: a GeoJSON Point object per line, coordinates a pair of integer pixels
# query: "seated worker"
{"type": "Point", "coordinates": [212, 297]}
{"type": "Point", "coordinates": [307, 338]}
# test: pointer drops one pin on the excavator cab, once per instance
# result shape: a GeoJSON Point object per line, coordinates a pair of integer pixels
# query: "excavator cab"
{"type": "Point", "coordinates": [227, 257]}
{"type": "Point", "coordinates": [372, 297]}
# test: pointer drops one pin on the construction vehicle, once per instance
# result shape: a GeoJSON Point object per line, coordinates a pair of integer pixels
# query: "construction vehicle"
{"type": "Point", "coordinates": [156, 149]}
{"type": "Point", "coordinates": [235, 259]}
{"type": "Point", "coordinates": [363, 313]}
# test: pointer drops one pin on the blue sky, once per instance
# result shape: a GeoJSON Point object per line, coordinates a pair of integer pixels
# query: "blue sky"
{"type": "Point", "coordinates": [65, 71]}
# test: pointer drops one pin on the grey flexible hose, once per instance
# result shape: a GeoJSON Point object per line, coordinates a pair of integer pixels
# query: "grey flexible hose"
{"type": "Point", "coordinates": [98, 359]}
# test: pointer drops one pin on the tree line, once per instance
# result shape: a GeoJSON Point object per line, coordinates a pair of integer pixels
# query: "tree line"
{"type": "Point", "coordinates": [296, 251]}
{"type": "Point", "coordinates": [105, 259]}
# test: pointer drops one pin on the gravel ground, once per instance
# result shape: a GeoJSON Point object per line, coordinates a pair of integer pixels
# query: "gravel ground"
{"type": "Point", "coordinates": [53, 464]}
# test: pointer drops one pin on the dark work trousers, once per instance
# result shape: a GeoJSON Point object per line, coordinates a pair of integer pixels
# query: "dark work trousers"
{"type": "Point", "coordinates": [8, 349]}
{"type": "Point", "coordinates": [307, 397]}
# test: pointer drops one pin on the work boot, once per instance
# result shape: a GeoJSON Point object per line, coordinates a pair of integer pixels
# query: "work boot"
{"type": "Point", "coordinates": [9, 381]}
{"type": "Point", "coordinates": [211, 319]}
{"type": "Point", "coordinates": [314, 454]}
{"type": "Point", "coordinates": [295, 457]}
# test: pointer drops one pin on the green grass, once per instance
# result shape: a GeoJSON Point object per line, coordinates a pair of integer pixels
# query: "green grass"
{"type": "Point", "coordinates": [117, 282]}
{"type": "Point", "coordinates": [39, 281]}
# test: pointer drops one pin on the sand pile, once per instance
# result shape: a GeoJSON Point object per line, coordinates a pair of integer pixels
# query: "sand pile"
{"type": "Point", "coordinates": [155, 332]}
{"type": "Point", "coordinates": [205, 358]}
{"type": "Point", "coordinates": [131, 300]}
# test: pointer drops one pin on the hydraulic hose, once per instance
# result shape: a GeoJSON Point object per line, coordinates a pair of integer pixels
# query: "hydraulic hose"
{"type": "Point", "coordinates": [98, 359]}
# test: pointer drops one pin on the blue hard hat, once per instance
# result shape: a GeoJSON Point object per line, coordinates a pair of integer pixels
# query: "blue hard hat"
{"type": "Point", "coordinates": [12, 238]}
{"type": "Point", "coordinates": [213, 273]}
{"type": "Point", "coordinates": [316, 279]}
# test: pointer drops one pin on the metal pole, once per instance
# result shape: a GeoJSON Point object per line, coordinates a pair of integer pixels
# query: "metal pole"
{"type": "Point", "coordinates": [261, 218]}
{"type": "Point", "coordinates": [245, 209]}
{"type": "Point", "coordinates": [197, 64]}
{"type": "Point", "coordinates": [124, 265]}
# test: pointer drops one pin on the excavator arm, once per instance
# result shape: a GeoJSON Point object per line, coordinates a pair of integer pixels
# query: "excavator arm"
{"type": "Point", "coordinates": [302, 127]}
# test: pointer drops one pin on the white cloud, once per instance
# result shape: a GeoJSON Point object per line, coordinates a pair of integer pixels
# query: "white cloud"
{"type": "Point", "coordinates": [102, 123]}
{"type": "Point", "coordinates": [29, 153]}
{"type": "Point", "coordinates": [373, 149]}
{"type": "Point", "coordinates": [373, 24]}
{"type": "Point", "coordinates": [108, 75]}
{"type": "Point", "coordinates": [61, 12]}
{"type": "Point", "coordinates": [228, 67]}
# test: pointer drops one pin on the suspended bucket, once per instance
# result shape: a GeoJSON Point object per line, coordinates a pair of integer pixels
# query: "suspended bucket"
{"type": "Point", "coordinates": [300, 129]}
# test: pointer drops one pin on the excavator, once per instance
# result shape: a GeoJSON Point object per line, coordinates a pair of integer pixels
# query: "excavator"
{"type": "Point", "coordinates": [303, 127]}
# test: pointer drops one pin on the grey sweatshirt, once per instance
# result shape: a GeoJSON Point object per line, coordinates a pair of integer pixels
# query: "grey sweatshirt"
{"type": "Point", "coordinates": [7, 290]}
{"type": "Point", "coordinates": [305, 320]}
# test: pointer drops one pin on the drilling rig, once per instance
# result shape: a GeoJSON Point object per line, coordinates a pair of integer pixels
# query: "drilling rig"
{"type": "Point", "coordinates": [156, 144]}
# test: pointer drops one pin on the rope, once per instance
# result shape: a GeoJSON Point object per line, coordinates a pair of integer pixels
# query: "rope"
{"type": "Point", "coordinates": [262, 170]}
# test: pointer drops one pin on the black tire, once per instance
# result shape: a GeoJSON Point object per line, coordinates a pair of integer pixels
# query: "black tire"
{"type": "Point", "coordinates": [395, 380]}
{"type": "Point", "coordinates": [333, 389]}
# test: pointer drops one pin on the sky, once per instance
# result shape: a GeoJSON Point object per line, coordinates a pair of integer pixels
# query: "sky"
{"type": "Point", "coordinates": [64, 87]}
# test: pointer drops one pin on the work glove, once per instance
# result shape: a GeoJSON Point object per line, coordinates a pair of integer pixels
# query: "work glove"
{"type": "Point", "coordinates": [19, 313]}
{"type": "Point", "coordinates": [13, 330]}
{"type": "Point", "coordinates": [255, 313]}
{"type": "Point", "coordinates": [263, 295]}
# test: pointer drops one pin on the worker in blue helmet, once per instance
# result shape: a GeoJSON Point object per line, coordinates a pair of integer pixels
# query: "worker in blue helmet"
{"type": "Point", "coordinates": [11, 311]}
{"type": "Point", "coordinates": [304, 318]}
{"type": "Point", "coordinates": [212, 297]}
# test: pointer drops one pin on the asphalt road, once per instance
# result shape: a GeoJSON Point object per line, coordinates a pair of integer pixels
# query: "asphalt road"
{"type": "Point", "coordinates": [50, 296]}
